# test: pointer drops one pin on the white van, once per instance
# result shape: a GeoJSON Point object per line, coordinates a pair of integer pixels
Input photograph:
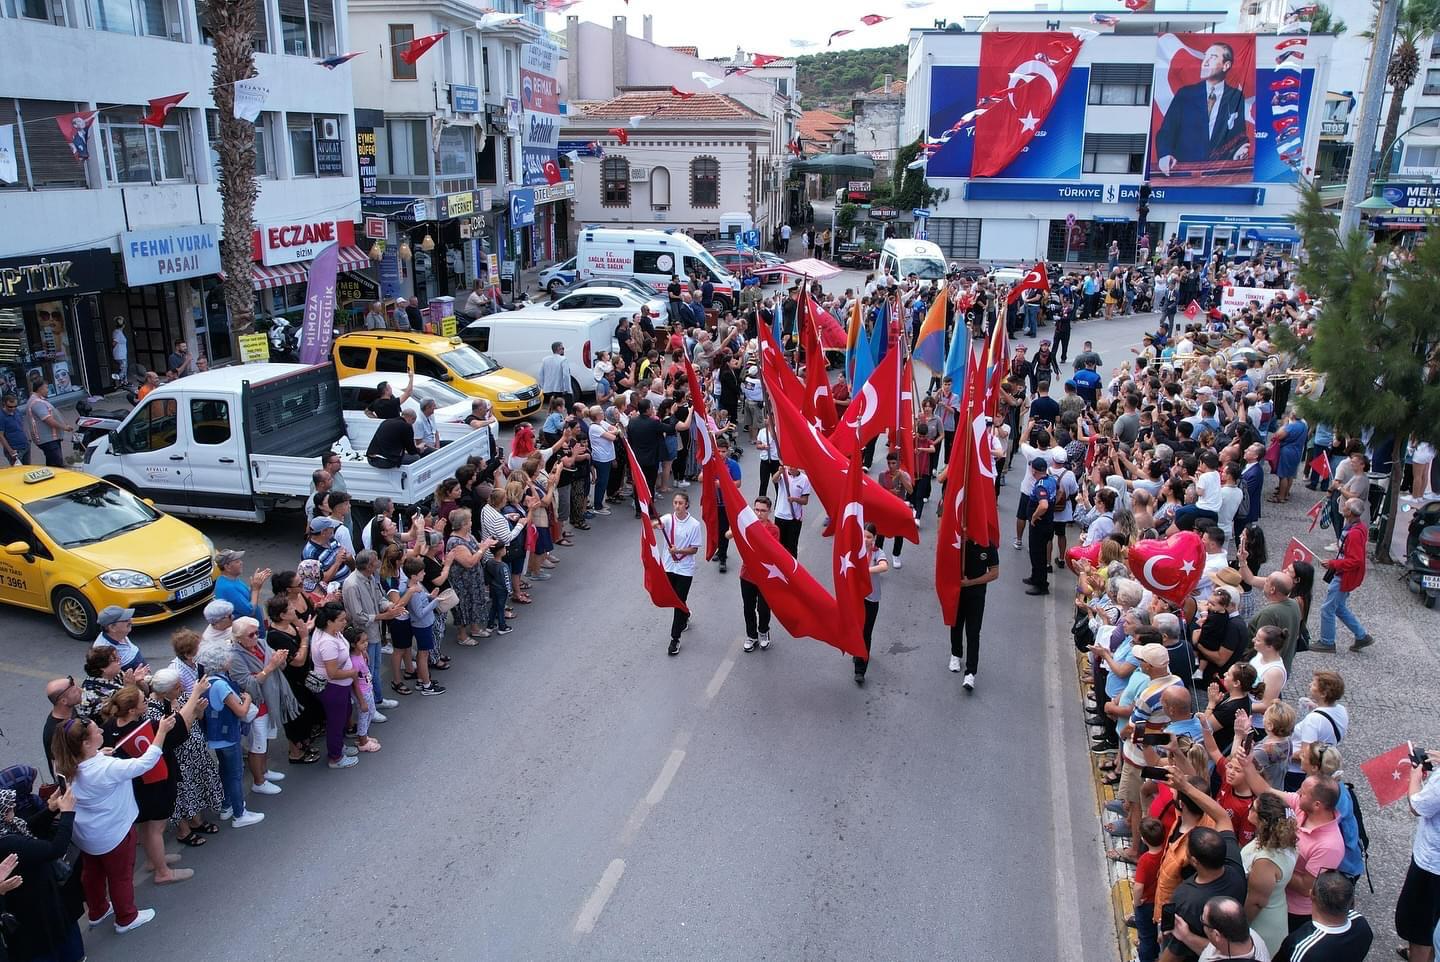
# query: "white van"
{"type": "Point", "coordinates": [902, 257]}
{"type": "Point", "coordinates": [521, 339]}
{"type": "Point", "coordinates": [652, 256]}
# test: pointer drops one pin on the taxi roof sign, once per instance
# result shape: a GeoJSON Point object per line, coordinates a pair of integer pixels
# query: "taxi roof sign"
{"type": "Point", "coordinates": [39, 474]}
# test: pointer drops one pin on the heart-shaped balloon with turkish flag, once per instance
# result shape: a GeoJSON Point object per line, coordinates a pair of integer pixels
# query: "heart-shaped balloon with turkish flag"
{"type": "Point", "coordinates": [1169, 568]}
{"type": "Point", "coordinates": [1079, 553]}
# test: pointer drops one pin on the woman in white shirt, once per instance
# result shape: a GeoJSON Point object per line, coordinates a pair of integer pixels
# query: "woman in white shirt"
{"type": "Point", "coordinates": [105, 813]}
{"type": "Point", "coordinates": [683, 535]}
{"type": "Point", "coordinates": [602, 456]}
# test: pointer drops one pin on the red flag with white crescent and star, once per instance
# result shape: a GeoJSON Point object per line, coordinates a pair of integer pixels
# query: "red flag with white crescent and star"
{"type": "Point", "coordinates": [1028, 69]}
{"type": "Point", "coordinates": [160, 108]}
{"type": "Point", "coordinates": [1035, 279]}
{"type": "Point", "coordinates": [657, 585]}
{"type": "Point", "coordinates": [413, 50]}
{"type": "Point", "coordinates": [796, 599]}
{"type": "Point", "coordinates": [850, 562]}
{"type": "Point", "coordinates": [907, 419]}
{"type": "Point", "coordinates": [621, 134]}
{"type": "Point", "coordinates": [875, 407]}
{"type": "Point", "coordinates": [704, 447]}
{"type": "Point", "coordinates": [950, 538]}
{"type": "Point", "coordinates": [682, 94]}
{"type": "Point", "coordinates": [871, 19]}
{"type": "Point", "coordinates": [137, 743]}
{"type": "Point", "coordinates": [1389, 774]}
{"type": "Point", "coordinates": [819, 403]}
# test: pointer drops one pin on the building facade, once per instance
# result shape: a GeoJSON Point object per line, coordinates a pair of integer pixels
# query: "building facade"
{"type": "Point", "coordinates": [1076, 186]}
{"type": "Point", "coordinates": [118, 222]}
{"type": "Point", "coordinates": [603, 63]}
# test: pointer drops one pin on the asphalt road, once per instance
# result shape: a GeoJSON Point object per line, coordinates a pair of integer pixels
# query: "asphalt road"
{"type": "Point", "coordinates": [579, 795]}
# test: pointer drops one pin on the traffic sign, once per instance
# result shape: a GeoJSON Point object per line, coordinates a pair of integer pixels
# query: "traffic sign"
{"type": "Point", "coordinates": [919, 213]}
{"type": "Point", "coordinates": [1069, 220]}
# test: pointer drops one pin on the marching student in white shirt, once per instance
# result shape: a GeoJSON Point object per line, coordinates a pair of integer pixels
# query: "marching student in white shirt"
{"type": "Point", "coordinates": [683, 535]}
{"type": "Point", "coordinates": [792, 493]}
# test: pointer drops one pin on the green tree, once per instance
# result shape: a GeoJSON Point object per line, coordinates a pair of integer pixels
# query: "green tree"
{"type": "Point", "coordinates": [1325, 21]}
{"type": "Point", "coordinates": [1375, 340]}
{"type": "Point", "coordinates": [909, 188]}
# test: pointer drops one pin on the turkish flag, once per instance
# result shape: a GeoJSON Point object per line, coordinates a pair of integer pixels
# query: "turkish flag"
{"type": "Point", "coordinates": [682, 94]}
{"type": "Point", "coordinates": [850, 562]}
{"type": "Point", "coordinates": [773, 363]}
{"type": "Point", "coordinates": [1320, 464]}
{"type": "Point", "coordinates": [700, 430]}
{"type": "Point", "coordinates": [950, 539]}
{"type": "Point", "coordinates": [1026, 70]}
{"type": "Point", "coordinates": [1192, 310]}
{"type": "Point", "coordinates": [837, 33]}
{"type": "Point", "coordinates": [415, 49]}
{"type": "Point", "coordinates": [906, 427]}
{"type": "Point", "coordinates": [1287, 82]}
{"type": "Point", "coordinates": [995, 365]}
{"type": "Point", "coordinates": [802, 444]}
{"type": "Point", "coordinates": [1036, 279]}
{"type": "Point", "coordinates": [871, 19]}
{"type": "Point", "coordinates": [1290, 42]}
{"type": "Point", "coordinates": [656, 583]}
{"type": "Point", "coordinates": [1389, 774]}
{"type": "Point", "coordinates": [621, 134]}
{"type": "Point", "coordinates": [1169, 568]}
{"type": "Point", "coordinates": [819, 403]}
{"type": "Point", "coordinates": [982, 516]}
{"type": "Point", "coordinates": [761, 59]}
{"type": "Point", "coordinates": [552, 173]}
{"type": "Point", "coordinates": [831, 333]}
{"type": "Point", "coordinates": [137, 743]}
{"type": "Point", "coordinates": [875, 408]}
{"type": "Point", "coordinates": [160, 108]}
{"type": "Point", "coordinates": [796, 599]}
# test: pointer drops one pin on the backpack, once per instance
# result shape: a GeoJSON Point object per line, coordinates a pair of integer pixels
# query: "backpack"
{"type": "Point", "coordinates": [1361, 835]}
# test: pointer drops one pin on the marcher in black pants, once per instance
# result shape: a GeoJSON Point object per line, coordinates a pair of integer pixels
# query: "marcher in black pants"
{"type": "Point", "coordinates": [982, 566]}
{"type": "Point", "coordinates": [1042, 527]}
{"type": "Point", "coordinates": [878, 566]}
{"type": "Point", "coordinates": [646, 437]}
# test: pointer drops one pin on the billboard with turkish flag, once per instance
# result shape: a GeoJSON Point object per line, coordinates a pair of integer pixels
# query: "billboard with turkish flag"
{"type": "Point", "coordinates": [1052, 152]}
{"type": "Point", "coordinates": [1202, 114]}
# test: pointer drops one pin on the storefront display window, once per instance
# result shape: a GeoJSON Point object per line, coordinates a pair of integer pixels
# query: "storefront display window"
{"type": "Point", "coordinates": [35, 339]}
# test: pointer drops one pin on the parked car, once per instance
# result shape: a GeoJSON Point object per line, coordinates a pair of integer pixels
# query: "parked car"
{"type": "Point", "coordinates": [760, 263]}
{"type": "Point", "coordinates": [72, 544]}
{"type": "Point", "coordinates": [657, 302]}
{"type": "Point", "coordinates": [558, 276]}
{"type": "Point", "coordinates": [358, 391]}
{"type": "Point", "coordinates": [523, 339]}
{"type": "Point", "coordinates": [471, 372]}
{"type": "Point", "coordinates": [617, 302]}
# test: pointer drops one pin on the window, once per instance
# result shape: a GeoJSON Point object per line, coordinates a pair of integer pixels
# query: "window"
{"type": "Point", "coordinates": [400, 33]}
{"type": "Point", "coordinates": [152, 429]}
{"type": "Point", "coordinates": [355, 358]}
{"type": "Point", "coordinates": [139, 154]}
{"type": "Point", "coordinates": [655, 262]}
{"type": "Point", "coordinates": [660, 188]}
{"type": "Point", "coordinates": [261, 39]}
{"type": "Point", "coordinates": [46, 10]}
{"type": "Point", "coordinates": [1426, 115]}
{"type": "Point", "coordinates": [958, 237]}
{"type": "Point", "coordinates": [307, 28]}
{"type": "Point", "coordinates": [615, 182]}
{"type": "Point", "coordinates": [392, 362]}
{"type": "Point", "coordinates": [704, 182]}
{"type": "Point", "coordinates": [264, 163]}
{"type": "Point", "coordinates": [1435, 47]}
{"type": "Point", "coordinates": [509, 72]}
{"type": "Point", "coordinates": [782, 84]}
{"type": "Point", "coordinates": [1425, 158]}
{"type": "Point", "coordinates": [404, 150]}
{"type": "Point", "coordinates": [302, 144]}
{"type": "Point", "coordinates": [1114, 154]}
{"type": "Point", "coordinates": [209, 421]}
{"type": "Point", "coordinates": [1432, 82]}
{"type": "Point", "coordinates": [1120, 84]}
{"type": "Point", "coordinates": [43, 158]}
{"type": "Point", "coordinates": [142, 18]}
{"type": "Point", "coordinates": [485, 68]}
{"type": "Point", "coordinates": [457, 153]}
{"type": "Point", "coordinates": [469, 72]}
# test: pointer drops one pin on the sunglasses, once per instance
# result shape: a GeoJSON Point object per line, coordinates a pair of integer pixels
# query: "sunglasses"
{"type": "Point", "coordinates": [70, 683]}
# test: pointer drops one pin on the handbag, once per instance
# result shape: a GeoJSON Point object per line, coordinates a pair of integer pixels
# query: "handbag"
{"type": "Point", "coordinates": [315, 682]}
{"type": "Point", "coordinates": [446, 600]}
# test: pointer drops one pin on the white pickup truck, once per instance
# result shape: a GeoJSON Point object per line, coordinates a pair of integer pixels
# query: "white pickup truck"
{"type": "Point", "coordinates": [239, 441]}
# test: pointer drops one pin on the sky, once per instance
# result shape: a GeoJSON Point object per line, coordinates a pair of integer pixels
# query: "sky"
{"type": "Point", "coordinates": [773, 26]}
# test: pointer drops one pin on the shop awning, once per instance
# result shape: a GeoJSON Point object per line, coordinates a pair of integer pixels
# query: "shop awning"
{"type": "Point", "coordinates": [1273, 235]}
{"type": "Point", "coordinates": [264, 278]}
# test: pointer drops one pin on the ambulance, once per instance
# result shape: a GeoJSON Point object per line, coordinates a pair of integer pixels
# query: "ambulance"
{"type": "Point", "coordinates": [651, 257]}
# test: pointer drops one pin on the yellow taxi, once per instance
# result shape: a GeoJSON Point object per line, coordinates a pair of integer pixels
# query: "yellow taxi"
{"type": "Point", "coordinates": [73, 544]}
{"type": "Point", "coordinates": [513, 394]}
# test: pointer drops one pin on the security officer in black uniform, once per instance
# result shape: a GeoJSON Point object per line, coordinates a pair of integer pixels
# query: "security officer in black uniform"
{"type": "Point", "coordinates": [1042, 527]}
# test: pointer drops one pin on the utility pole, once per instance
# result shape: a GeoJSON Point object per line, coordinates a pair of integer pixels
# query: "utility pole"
{"type": "Point", "coordinates": [1357, 185]}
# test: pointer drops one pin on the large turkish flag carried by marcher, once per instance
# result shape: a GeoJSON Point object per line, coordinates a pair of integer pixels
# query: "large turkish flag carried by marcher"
{"type": "Point", "coordinates": [1024, 73]}
{"type": "Point", "coordinates": [850, 560]}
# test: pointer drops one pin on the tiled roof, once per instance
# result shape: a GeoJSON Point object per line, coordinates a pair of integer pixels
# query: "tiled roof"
{"type": "Point", "coordinates": [897, 89]}
{"type": "Point", "coordinates": [688, 51]}
{"type": "Point", "coordinates": [663, 105]}
{"type": "Point", "coordinates": [819, 124]}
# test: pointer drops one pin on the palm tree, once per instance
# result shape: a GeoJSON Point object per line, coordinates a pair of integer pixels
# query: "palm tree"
{"type": "Point", "coordinates": [1417, 20]}
{"type": "Point", "coordinates": [232, 25]}
{"type": "Point", "coordinates": [1324, 21]}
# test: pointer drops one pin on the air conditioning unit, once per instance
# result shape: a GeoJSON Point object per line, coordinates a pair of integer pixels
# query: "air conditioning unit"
{"type": "Point", "coordinates": [639, 175]}
{"type": "Point", "coordinates": [329, 129]}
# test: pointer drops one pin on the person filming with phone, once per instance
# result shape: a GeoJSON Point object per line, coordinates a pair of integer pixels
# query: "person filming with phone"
{"type": "Point", "coordinates": [1417, 911]}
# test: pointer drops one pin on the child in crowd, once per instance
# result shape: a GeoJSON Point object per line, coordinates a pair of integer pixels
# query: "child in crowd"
{"type": "Point", "coordinates": [364, 689]}
{"type": "Point", "coordinates": [1147, 873]}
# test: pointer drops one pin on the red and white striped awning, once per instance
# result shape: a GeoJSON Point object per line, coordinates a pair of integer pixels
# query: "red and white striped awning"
{"type": "Point", "coordinates": [264, 278]}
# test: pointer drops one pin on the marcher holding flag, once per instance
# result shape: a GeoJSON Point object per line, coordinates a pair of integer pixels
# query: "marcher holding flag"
{"type": "Point", "coordinates": [657, 582]}
{"type": "Point", "coordinates": [684, 534]}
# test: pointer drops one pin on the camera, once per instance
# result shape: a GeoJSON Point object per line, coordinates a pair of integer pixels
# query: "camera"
{"type": "Point", "coordinates": [1418, 757]}
{"type": "Point", "coordinates": [1154, 773]}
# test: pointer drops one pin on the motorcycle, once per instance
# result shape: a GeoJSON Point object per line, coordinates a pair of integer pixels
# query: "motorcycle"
{"type": "Point", "coordinates": [1422, 553]}
{"type": "Point", "coordinates": [91, 425]}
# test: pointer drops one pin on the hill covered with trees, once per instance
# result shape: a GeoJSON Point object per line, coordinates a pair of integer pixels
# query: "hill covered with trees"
{"type": "Point", "coordinates": [833, 77]}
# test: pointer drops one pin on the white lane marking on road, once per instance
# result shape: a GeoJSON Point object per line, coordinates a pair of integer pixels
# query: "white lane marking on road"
{"type": "Point", "coordinates": [666, 776]}
{"type": "Point", "coordinates": [595, 904]}
{"type": "Point", "coordinates": [1067, 900]}
{"type": "Point", "coordinates": [721, 673]}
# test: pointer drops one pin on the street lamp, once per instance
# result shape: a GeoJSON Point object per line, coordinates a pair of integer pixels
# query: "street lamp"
{"type": "Point", "coordinates": [1374, 203]}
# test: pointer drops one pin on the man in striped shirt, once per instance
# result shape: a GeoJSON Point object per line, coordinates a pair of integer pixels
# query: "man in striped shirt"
{"type": "Point", "coordinates": [1335, 932]}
